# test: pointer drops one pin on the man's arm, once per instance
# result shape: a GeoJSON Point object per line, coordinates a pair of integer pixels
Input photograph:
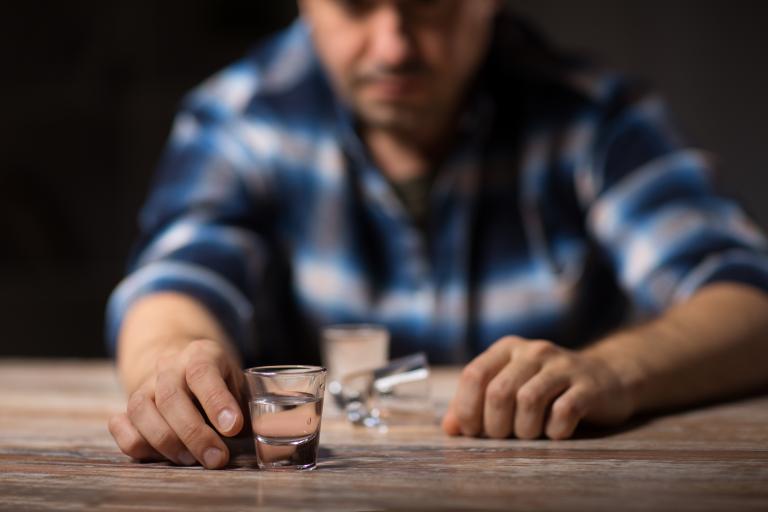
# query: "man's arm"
{"type": "Point", "coordinates": [160, 324]}
{"type": "Point", "coordinates": [194, 275]}
{"type": "Point", "coordinates": [672, 244]}
{"type": "Point", "coordinates": [713, 345]}
{"type": "Point", "coordinates": [171, 353]}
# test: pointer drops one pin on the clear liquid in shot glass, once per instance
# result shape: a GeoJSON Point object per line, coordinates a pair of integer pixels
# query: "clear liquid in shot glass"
{"type": "Point", "coordinates": [286, 430]}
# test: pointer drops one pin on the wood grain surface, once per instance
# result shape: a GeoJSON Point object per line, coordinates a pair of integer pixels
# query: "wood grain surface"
{"type": "Point", "coordinates": [56, 454]}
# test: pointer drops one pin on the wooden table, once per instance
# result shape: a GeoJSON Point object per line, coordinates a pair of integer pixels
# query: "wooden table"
{"type": "Point", "coordinates": [56, 454]}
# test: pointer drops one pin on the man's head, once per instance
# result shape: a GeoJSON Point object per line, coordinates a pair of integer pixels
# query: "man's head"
{"type": "Point", "coordinates": [400, 64]}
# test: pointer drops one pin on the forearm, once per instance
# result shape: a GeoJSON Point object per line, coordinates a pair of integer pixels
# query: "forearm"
{"type": "Point", "coordinates": [161, 324]}
{"type": "Point", "coordinates": [712, 346]}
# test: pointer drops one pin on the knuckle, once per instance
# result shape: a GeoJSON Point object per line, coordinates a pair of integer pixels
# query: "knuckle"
{"type": "Point", "coordinates": [136, 403]}
{"type": "Point", "coordinates": [499, 394]}
{"type": "Point", "coordinates": [202, 346]}
{"type": "Point", "coordinates": [509, 340]}
{"type": "Point", "coordinates": [217, 397]}
{"type": "Point", "coordinates": [561, 363]}
{"type": "Point", "coordinates": [541, 349]}
{"type": "Point", "coordinates": [196, 346]}
{"type": "Point", "coordinates": [566, 409]}
{"type": "Point", "coordinates": [528, 398]}
{"type": "Point", "coordinates": [166, 440]}
{"type": "Point", "coordinates": [591, 384]}
{"type": "Point", "coordinates": [165, 395]}
{"type": "Point", "coordinates": [193, 432]}
{"type": "Point", "coordinates": [472, 374]}
{"type": "Point", "coordinates": [196, 371]}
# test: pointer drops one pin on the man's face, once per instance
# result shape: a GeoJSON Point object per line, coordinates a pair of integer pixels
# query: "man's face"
{"type": "Point", "coordinates": [400, 63]}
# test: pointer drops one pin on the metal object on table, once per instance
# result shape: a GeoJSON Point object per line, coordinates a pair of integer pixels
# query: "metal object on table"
{"type": "Point", "coordinates": [397, 393]}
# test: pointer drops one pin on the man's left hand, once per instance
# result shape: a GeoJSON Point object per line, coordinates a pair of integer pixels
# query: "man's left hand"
{"type": "Point", "coordinates": [528, 388]}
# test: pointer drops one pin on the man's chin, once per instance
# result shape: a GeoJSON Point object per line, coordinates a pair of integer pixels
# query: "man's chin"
{"type": "Point", "coordinates": [397, 118]}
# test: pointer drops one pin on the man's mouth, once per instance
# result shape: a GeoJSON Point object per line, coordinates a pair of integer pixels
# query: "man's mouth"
{"type": "Point", "coordinates": [394, 87]}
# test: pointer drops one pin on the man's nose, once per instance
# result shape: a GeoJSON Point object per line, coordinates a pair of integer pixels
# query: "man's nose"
{"type": "Point", "coordinates": [391, 45]}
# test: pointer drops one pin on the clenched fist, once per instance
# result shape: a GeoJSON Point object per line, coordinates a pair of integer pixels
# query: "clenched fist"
{"type": "Point", "coordinates": [162, 419]}
{"type": "Point", "coordinates": [527, 388]}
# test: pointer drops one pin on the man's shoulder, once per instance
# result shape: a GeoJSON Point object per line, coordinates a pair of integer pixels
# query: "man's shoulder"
{"type": "Point", "coordinates": [553, 85]}
{"type": "Point", "coordinates": [279, 78]}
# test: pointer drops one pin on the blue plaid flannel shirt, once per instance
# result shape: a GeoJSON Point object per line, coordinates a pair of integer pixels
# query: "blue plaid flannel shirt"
{"type": "Point", "coordinates": [567, 207]}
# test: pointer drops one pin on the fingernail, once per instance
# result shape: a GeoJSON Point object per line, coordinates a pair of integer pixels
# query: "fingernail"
{"type": "Point", "coordinates": [186, 458]}
{"type": "Point", "coordinates": [212, 457]}
{"type": "Point", "coordinates": [226, 419]}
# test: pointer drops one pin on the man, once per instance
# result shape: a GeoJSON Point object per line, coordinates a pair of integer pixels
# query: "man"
{"type": "Point", "coordinates": [433, 166]}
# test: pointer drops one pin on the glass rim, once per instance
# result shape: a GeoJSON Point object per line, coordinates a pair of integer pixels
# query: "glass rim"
{"type": "Point", "coordinates": [285, 369]}
{"type": "Point", "coordinates": [352, 327]}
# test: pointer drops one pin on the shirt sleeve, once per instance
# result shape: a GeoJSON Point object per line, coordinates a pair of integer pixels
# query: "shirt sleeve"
{"type": "Point", "coordinates": [654, 211]}
{"type": "Point", "coordinates": [201, 227]}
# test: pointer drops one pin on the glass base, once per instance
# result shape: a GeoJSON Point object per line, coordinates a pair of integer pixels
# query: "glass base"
{"type": "Point", "coordinates": [276, 466]}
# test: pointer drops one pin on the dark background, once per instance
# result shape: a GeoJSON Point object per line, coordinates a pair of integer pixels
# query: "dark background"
{"type": "Point", "coordinates": [88, 90]}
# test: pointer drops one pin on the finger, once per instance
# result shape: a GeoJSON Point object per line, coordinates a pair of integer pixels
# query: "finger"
{"type": "Point", "coordinates": [129, 440]}
{"type": "Point", "coordinates": [450, 422]}
{"type": "Point", "coordinates": [176, 407]}
{"type": "Point", "coordinates": [567, 411]}
{"type": "Point", "coordinates": [501, 393]}
{"type": "Point", "coordinates": [470, 395]}
{"type": "Point", "coordinates": [207, 383]}
{"type": "Point", "coordinates": [533, 401]}
{"type": "Point", "coordinates": [145, 417]}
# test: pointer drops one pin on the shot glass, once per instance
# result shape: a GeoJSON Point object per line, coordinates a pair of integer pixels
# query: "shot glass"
{"type": "Point", "coordinates": [349, 348]}
{"type": "Point", "coordinates": [286, 406]}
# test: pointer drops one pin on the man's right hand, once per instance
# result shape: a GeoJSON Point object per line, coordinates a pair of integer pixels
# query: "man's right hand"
{"type": "Point", "coordinates": [162, 420]}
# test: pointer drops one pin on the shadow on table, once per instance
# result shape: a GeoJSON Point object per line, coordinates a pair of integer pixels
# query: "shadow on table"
{"type": "Point", "coordinates": [587, 431]}
{"type": "Point", "coordinates": [243, 450]}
